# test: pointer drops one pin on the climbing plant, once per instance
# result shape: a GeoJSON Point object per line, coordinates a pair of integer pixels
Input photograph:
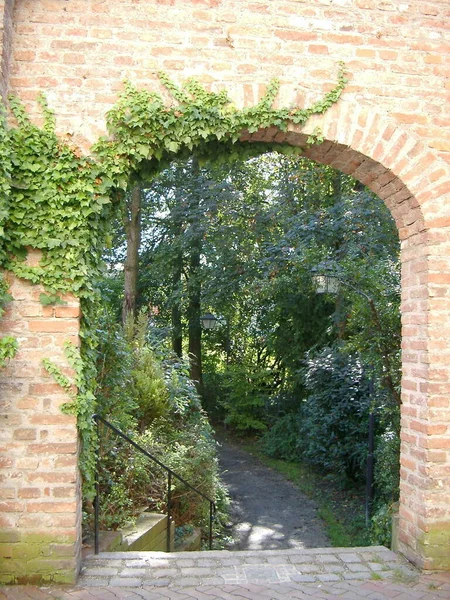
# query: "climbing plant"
{"type": "Point", "coordinates": [60, 202]}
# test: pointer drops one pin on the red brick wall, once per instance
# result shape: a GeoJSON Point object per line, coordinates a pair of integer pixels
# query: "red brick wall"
{"type": "Point", "coordinates": [6, 35]}
{"type": "Point", "coordinates": [40, 507]}
{"type": "Point", "coordinates": [80, 51]}
{"type": "Point", "coordinates": [390, 130]}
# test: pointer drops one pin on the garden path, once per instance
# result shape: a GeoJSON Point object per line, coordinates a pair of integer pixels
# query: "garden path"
{"type": "Point", "coordinates": [267, 511]}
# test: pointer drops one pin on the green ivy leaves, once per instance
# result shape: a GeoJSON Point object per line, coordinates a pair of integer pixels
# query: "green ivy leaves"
{"type": "Point", "coordinates": [62, 201]}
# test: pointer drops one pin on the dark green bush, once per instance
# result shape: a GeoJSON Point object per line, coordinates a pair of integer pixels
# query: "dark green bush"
{"type": "Point", "coordinates": [387, 476]}
{"type": "Point", "coordinates": [333, 419]}
{"type": "Point", "coordinates": [246, 400]}
{"type": "Point", "coordinates": [283, 439]}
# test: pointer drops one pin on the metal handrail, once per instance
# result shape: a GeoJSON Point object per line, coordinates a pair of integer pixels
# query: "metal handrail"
{"type": "Point", "coordinates": [170, 474]}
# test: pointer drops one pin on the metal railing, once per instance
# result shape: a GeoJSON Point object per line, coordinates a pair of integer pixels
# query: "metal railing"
{"type": "Point", "coordinates": [170, 475]}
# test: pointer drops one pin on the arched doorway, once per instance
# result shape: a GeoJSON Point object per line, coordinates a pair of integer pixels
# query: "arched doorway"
{"type": "Point", "coordinates": [63, 50]}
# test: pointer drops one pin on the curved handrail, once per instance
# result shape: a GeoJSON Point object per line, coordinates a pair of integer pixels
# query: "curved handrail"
{"type": "Point", "coordinates": [170, 473]}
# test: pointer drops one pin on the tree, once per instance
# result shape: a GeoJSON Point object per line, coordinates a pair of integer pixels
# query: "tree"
{"type": "Point", "coordinates": [132, 227]}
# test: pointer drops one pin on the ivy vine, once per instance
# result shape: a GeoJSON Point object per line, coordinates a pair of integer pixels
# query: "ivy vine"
{"type": "Point", "coordinates": [81, 404]}
{"type": "Point", "coordinates": [60, 202]}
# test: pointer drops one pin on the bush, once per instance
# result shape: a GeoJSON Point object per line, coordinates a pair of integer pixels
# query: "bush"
{"type": "Point", "coordinates": [214, 391]}
{"type": "Point", "coordinates": [245, 400]}
{"type": "Point", "coordinates": [387, 476]}
{"type": "Point", "coordinates": [282, 439]}
{"type": "Point", "coordinates": [387, 467]}
{"type": "Point", "coordinates": [381, 526]}
{"type": "Point", "coordinates": [148, 387]}
{"type": "Point", "coordinates": [334, 417]}
{"type": "Point", "coordinates": [146, 392]}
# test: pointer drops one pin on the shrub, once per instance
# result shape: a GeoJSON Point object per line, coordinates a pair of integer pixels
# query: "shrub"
{"type": "Point", "coordinates": [333, 419]}
{"type": "Point", "coordinates": [282, 439]}
{"type": "Point", "coordinates": [387, 476]}
{"type": "Point", "coordinates": [245, 399]}
{"type": "Point", "coordinates": [147, 393]}
{"type": "Point", "coordinates": [148, 387]}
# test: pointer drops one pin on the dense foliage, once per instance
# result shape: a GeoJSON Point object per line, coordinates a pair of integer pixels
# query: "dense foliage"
{"type": "Point", "coordinates": [8, 344]}
{"type": "Point", "coordinates": [283, 360]}
{"type": "Point", "coordinates": [145, 391]}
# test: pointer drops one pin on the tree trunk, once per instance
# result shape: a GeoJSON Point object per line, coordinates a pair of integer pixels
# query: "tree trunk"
{"type": "Point", "coordinates": [132, 224]}
{"type": "Point", "coordinates": [195, 285]}
{"type": "Point", "coordinates": [194, 309]}
{"type": "Point", "coordinates": [177, 328]}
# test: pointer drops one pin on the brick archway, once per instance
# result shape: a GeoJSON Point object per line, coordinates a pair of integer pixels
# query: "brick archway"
{"type": "Point", "coordinates": [384, 136]}
{"type": "Point", "coordinates": [414, 185]}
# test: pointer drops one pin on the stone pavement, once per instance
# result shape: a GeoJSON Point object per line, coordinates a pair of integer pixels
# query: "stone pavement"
{"type": "Point", "coordinates": [348, 573]}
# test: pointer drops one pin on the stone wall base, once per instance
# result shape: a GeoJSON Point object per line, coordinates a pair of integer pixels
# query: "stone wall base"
{"type": "Point", "coordinates": [37, 559]}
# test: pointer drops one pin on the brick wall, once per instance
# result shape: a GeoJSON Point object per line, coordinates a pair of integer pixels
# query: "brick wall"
{"type": "Point", "coordinates": [6, 35]}
{"type": "Point", "coordinates": [40, 505]}
{"type": "Point", "coordinates": [390, 130]}
{"type": "Point", "coordinates": [80, 51]}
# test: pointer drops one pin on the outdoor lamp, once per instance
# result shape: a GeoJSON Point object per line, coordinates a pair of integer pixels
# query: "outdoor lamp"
{"type": "Point", "coordinates": [208, 321]}
{"type": "Point", "coordinates": [326, 284]}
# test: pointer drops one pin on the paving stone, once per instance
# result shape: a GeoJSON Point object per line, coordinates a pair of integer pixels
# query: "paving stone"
{"type": "Point", "coordinates": [93, 582]}
{"type": "Point", "coordinates": [261, 573]}
{"type": "Point", "coordinates": [303, 578]}
{"type": "Point", "coordinates": [103, 571]}
{"type": "Point", "coordinates": [351, 576]}
{"type": "Point", "coordinates": [136, 564]}
{"type": "Point", "coordinates": [276, 560]}
{"type": "Point", "coordinates": [355, 567]}
{"type": "Point", "coordinates": [186, 562]}
{"type": "Point", "coordinates": [328, 577]}
{"type": "Point", "coordinates": [328, 558]}
{"type": "Point", "coordinates": [125, 582]}
{"type": "Point", "coordinates": [252, 560]}
{"type": "Point", "coordinates": [206, 562]}
{"type": "Point", "coordinates": [132, 572]}
{"type": "Point", "coordinates": [198, 594]}
{"type": "Point", "coordinates": [309, 568]}
{"type": "Point", "coordinates": [213, 581]}
{"type": "Point", "coordinates": [350, 558]}
{"type": "Point", "coordinates": [230, 561]}
{"type": "Point", "coordinates": [300, 558]}
{"type": "Point", "coordinates": [195, 571]}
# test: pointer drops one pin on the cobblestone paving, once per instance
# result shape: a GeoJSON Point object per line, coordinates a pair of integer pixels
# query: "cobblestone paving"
{"type": "Point", "coordinates": [348, 573]}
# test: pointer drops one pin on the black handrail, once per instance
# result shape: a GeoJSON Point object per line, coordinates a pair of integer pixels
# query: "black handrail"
{"type": "Point", "coordinates": [170, 474]}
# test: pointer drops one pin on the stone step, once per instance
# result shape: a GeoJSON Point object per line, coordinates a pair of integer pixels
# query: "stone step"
{"type": "Point", "coordinates": [220, 567]}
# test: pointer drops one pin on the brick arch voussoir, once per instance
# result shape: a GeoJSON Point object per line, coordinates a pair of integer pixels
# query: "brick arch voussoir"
{"type": "Point", "coordinates": [403, 171]}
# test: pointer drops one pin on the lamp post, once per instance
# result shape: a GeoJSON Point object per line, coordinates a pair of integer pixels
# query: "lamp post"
{"type": "Point", "coordinates": [328, 283]}
{"type": "Point", "coordinates": [209, 321]}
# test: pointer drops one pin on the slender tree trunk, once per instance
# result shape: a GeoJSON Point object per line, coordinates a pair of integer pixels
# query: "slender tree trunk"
{"type": "Point", "coordinates": [195, 287]}
{"type": "Point", "coordinates": [194, 309]}
{"type": "Point", "coordinates": [132, 224]}
{"type": "Point", "coordinates": [177, 330]}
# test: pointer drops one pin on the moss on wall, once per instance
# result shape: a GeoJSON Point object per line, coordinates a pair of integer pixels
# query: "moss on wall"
{"type": "Point", "coordinates": [37, 558]}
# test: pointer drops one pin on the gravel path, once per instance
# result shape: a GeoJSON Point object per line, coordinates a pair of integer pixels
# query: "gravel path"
{"type": "Point", "coordinates": [267, 511]}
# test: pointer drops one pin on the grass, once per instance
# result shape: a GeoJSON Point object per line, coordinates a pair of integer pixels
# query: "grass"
{"type": "Point", "coordinates": [341, 510]}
